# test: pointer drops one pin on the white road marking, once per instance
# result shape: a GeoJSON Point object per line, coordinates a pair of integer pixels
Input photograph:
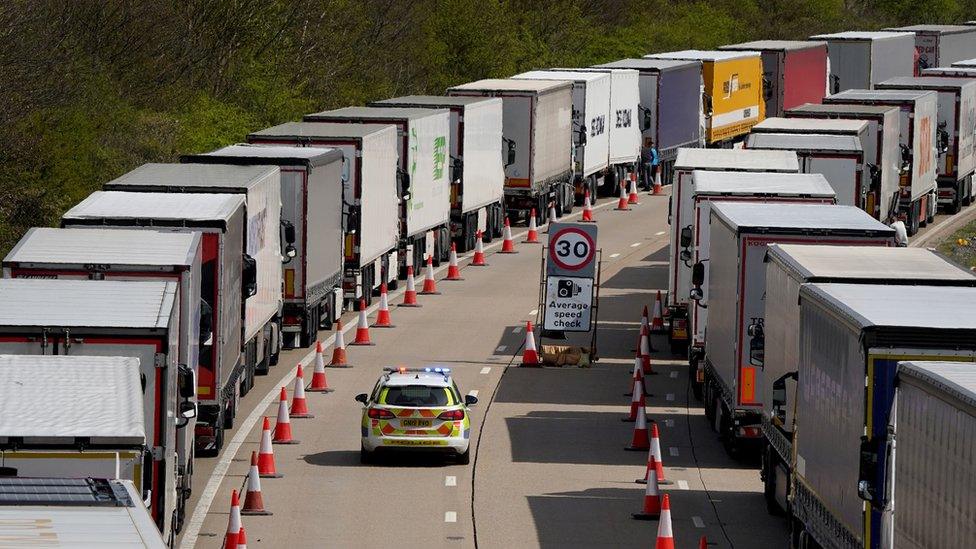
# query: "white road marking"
{"type": "Point", "coordinates": [517, 330]}
{"type": "Point", "coordinates": [486, 370]}
{"type": "Point", "coordinates": [673, 451]}
{"type": "Point", "coordinates": [669, 423]}
{"type": "Point", "coordinates": [659, 233]}
{"type": "Point", "coordinates": [669, 397]}
{"type": "Point", "coordinates": [450, 516]}
{"type": "Point", "coordinates": [473, 392]}
{"type": "Point", "coordinates": [533, 312]}
{"type": "Point", "coordinates": [614, 255]}
{"type": "Point", "coordinates": [674, 375]}
{"type": "Point", "coordinates": [635, 244]}
{"type": "Point", "coordinates": [699, 523]}
{"type": "Point", "coordinates": [501, 348]}
{"type": "Point", "coordinates": [450, 480]}
{"type": "Point", "coordinates": [683, 484]}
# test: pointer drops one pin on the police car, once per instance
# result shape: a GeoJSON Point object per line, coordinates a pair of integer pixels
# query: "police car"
{"type": "Point", "coordinates": [416, 409]}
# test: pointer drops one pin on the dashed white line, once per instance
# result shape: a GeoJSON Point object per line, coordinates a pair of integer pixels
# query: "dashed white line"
{"type": "Point", "coordinates": [450, 480]}
{"type": "Point", "coordinates": [501, 348]}
{"type": "Point", "coordinates": [486, 370]}
{"type": "Point", "coordinates": [659, 233]}
{"type": "Point", "coordinates": [669, 397]}
{"type": "Point", "coordinates": [669, 423]}
{"type": "Point", "coordinates": [614, 255]}
{"type": "Point", "coordinates": [517, 330]}
{"type": "Point", "coordinates": [450, 516]}
{"type": "Point", "coordinates": [674, 374]}
{"type": "Point", "coordinates": [473, 392]}
{"type": "Point", "coordinates": [683, 484]}
{"type": "Point", "coordinates": [533, 312]}
{"type": "Point", "coordinates": [635, 244]}
{"type": "Point", "coordinates": [699, 523]}
{"type": "Point", "coordinates": [673, 451]}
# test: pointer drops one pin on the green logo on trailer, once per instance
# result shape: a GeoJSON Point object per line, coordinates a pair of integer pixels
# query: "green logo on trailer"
{"type": "Point", "coordinates": [440, 156]}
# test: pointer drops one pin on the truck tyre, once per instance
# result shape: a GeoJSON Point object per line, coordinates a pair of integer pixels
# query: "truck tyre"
{"type": "Point", "coordinates": [956, 204]}
{"type": "Point", "coordinates": [310, 326]}
{"type": "Point", "coordinates": [911, 227]}
{"type": "Point", "coordinates": [275, 342]}
{"type": "Point", "coordinates": [707, 400]}
{"type": "Point", "coordinates": [769, 464]}
{"type": "Point", "coordinates": [727, 433]}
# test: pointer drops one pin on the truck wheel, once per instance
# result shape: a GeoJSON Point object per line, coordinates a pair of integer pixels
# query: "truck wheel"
{"type": "Point", "coordinates": [727, 433]}
{"type": "Point", "coordinates": [912, 226]}
{"type": "Point", "coordinates": [956, 204]}
{"type": "Point", "coordinates": [708, 403]}
{"type": "Point", "coordinates": [769, 464]}
{"type": "Point", "coordinates": [310, 327]}
{"type": "Point", "coordinates": [932, 208]}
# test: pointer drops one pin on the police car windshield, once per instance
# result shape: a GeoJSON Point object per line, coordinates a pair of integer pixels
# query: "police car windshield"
{"type": "Point", "coordinates": [416, 395]}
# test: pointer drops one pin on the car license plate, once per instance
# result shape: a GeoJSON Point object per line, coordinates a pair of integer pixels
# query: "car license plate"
{"type": "Point", "coordinates": [415, 423]}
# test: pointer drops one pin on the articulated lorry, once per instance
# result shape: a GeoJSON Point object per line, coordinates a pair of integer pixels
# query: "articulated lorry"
{"type": "Point", "coordinates": [941, 45]}
{"type": "Point", "coordinates": [734, 381]}
{"type": "Point", "coordinates": [109, 318]}
{"type": "Point", "coordinates": [788, 267]}
{"type": "Point", "coordinates": [424, 147]}
{"type": "Point", "coordinates": [794, 72]}
{"type": "Point", "coordinates": [537, 122]}
{"type": "Point", "coordinates": [372, 244]}
{"type": "Point", "coordinates": [312, 228]}
{"type": "Point", "coordinates": [859, 60]}
{"type": "Point", "coordinates": [225, 283]}
{"type": "Point", "coordinates": [477, 168]}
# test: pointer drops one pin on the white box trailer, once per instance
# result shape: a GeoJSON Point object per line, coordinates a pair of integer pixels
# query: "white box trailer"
{"type": "Point", "coordinates": [591, 118]}
{"type": "Point", "coordinates": [789, 266]}
{"type": "Point", "coordinates": [221, 222]}
{"type": "Point", "coordinates": [423, 150]}
{"type": "Point", "coordinates": [861, 59]}
{"type": "Point", "coordinates": [933, 432]}
{"type": "Point", "coordinates": [111, 318]}
{"type": "Point", "coordinates": [955, 134]}
{"type": "Point", "coordinates": [372, 226]}
{"type": "Point", "coordinates": [919, 114]}
{"type": "Point", "coordinates": [941, 45]}
{"type": "Point", "coordinates": [261, 186]}
{"type": "Point", "coordinates": [537, 122]}
{"type": "Point", "coordinates": [852, 337]}
{"type": "Point", "coordinates": [477, 169]}
{"type": "Point", "coordinates": [734, 383]}
{"type": "Point", "coordinates": [883, 169]}
{"type": "Point", "coordinates": [313, 232]}
{"type": "Point", "coordinates": [56, 512]}
{"type": "Point", "coordinates": [681, 217]}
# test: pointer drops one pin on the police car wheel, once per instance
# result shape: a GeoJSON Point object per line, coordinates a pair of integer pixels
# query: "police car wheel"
{"type": "Point", "coordinates": [464, 458]}
{"type": "Point", "coordinates": [365, 457]}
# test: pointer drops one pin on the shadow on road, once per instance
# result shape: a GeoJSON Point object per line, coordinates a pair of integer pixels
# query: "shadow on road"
{"type": "Point", "coordinates": [645, 276]}
{"type": "Point", "coordinates": [350, 458]}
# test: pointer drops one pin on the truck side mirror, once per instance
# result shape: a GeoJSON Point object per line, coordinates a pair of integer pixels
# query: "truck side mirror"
{"type": "Point", "coordinates": [834, 84]}
{"type": "Point", "coordinates": [206, 322]}
{"type": "Point", "coordinates": [906, 158]}
{"type": "Point", "coordinates": [757, 343]}
{"type": "Point", "coordinates": [866, 489]}
{"type": "Point", "coordinates": [290, 251]}
{"type": "Point", "coordinates": [188, 411]}
{"type": "Point", "coordinates": [404, 180]}
{"type": "Point", "coordinates": [249, 277]}
{"type": "Point", "coordinates": [685, 239]}
{"type": "Point", "coordinates": [707, 102]}
{"type": "Point", "coordinates": [510, 152]}
{"type": "Point", "coordinates": [186, 380]}
{"type": "Point", "coordinates": [942, 138]}
{"type": "Point", "coordinates": [645, 119]}
{"type": "Point", "coordinates": [582, 136]}
{"type": "Point", "coordinates": [698, 274]}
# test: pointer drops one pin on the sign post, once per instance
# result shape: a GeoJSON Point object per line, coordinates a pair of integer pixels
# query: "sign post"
{"type": "Point", "coordinates": [569, 288]}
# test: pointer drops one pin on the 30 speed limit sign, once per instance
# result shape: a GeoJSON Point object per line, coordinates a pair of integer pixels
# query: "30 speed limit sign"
{"type": "Point", "coordinates": [572, 250]}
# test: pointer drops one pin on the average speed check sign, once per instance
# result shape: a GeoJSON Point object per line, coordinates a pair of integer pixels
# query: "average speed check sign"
{"type": "Point", "coordinates": [572, 250]}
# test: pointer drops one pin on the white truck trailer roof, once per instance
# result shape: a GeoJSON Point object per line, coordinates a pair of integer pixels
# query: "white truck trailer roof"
{"type": "Point", "coordinates": [322, 129]}
{"type": "Point", "coordinates": [48, 246]}
{"type": "Point", "coordinates": [761, 183]}
{"type": "Point", "coordinates": [277, 155]}
{"type": "Point", "coordinates": [866, 262]}
{"type": "Point", "coordinates": [132, 205]}
{"type": "Point", "coordinates": [955, 378]}
{"type": "Point", "coordinates": [867, 305]}
{"type": "Point", "coordinates": [514, 85]}
{"type": "Point", "coordinates": [805, 141]}
{"type": "Point", "coordinates": [860, 36]}
{"type": "Point", "coordinates": [704, 55]}
{"type": "Point", "coordinates": [737, 159]}
{"type": "Point", "coordinates": [770, 45]}
{"type": "Point", "coordinates": [204, 176]}
{"type": "Point", "coordinates": [806, 217]}
{"type": "Point", "coordinates": [812, 125]}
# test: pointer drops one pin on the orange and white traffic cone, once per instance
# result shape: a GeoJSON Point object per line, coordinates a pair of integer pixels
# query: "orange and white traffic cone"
{"type": "Point", "coordinates": [266, 461]}
{"type": "Point", "coordinates": [299, 405]}
{"type": "Point", "coordinates": [234, 521]}
{"type": "Point", "coordinates": [533, 235]}
{"type": "Point", "coordinates": [508, 245]}
{"type": "Point", "coordinates": [552, 212]}
{"type": "Point", "coordinates": [658, 458]}
{"type": "Point", "coordinates": [657, 182]}
{"type": "Point", "coordinates": [242, 539]}
{"type": "Point", "coordinates": [632, 198]}
{"type": "Point", "coordinates": [383, 315]}
{"type": "Point", "coordinates": [362, 329]}
{"type": "Point", "coordinates": [652, 500]}
{"type": "Point", "coordinates": [650, 470]}
{"type": "Point", "coordinates": [282, 430]}
{"type": "Point", "coordinates": [587, 208]}
{"type": "Point", "coordinates": [430, 286]}
{"type": "Point", "coordinates": [453, 272]}
{"type": "Point", "coordinates": [638, 375]}
{"type": "Point", "coordinates": [637, 402]}
{"type": "Point", "coordinates": [665, 535]}
{"type": "Point", "coordinates": [253, 499]}
{"type": "Point", "coordinates": [643, 324]}
{"type": "Point", "coordinates": [410, 294]}
{"type": "Point", "coordinates": [622, 200]}
{"type": "Point", "coordinates": [339, 349]}
{"type": "Point", "coordinates": [479, 252]}
{"type": "Point", "coordinates": [645, 351]}
{"type": "Point", "coordinates": [640, 440]}
{"type": "Point", "coordinates": [657, 321]}
{"type": "Point", "coordinates": [319, 383]}
{"type": "Point", "coordinates": [530, 356]}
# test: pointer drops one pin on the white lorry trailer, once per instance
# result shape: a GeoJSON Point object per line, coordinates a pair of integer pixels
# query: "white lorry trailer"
{"type": "Point", "coordinates": [955, 134]}
{"type": "Point", "coordinates": [788, 267]}
{"type": "Point", "coordinates": [57, 512]}
{"type": "Point", "coordinates": [537, 122]}
{"type": "Point", "coordinates": [682, 220]}
{"type": "Point", "coordinates": [861, 59]}
{"type": "Point", "coordinates": [477, 170]}
{"type": "Point", "coordinates": [312, 223]}
{"type": "Point", "coordinates": [852, 337]}
{"type": "Point", "coordinates": [425, 183]}
{"type": "Point", "coordinates": [733, 382]}
{"type": "Point", "coordinates": [372, 226]}
{"type": "Point", "coordinates": [941, 45]}
{"type": "Point", "coordinates": [883, 169]}
{"type": "Point", "coordinates": [221, 222]}
{"type": "Point", "coordinates": [112, 318]}
{"type": "Point", "coordinates": [919, 115]}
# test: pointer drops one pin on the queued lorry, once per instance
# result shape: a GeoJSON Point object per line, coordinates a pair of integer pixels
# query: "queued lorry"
{"type": "Point", "coordinates": [477, 169]}
{"type": "Point", "coordinates": [861, 59]}
{"type": "Point", "coordinates": [955, 134]}
{"type": "Point", "coordinates": [734, 381]}
{"type": "Point", "coordinates": [424, 182]}
{"type": "Point", "coordinates": [537, 125]}
{"type": "Point", "coordinates": [919, 116]}
{"type": "Point", "coordinates": [852, 337]}
{"type": "Point", "coordinates": [312, 228]}
{"type": "Point", "coordinates": [670, 113]}
{"type": "Point", "coordinates": [57, 512]}
{"type": "Point", "coordinates": [941, 45]}
{"type": "Point", "coordinates": [777, 347]}
{"type": "Point", "coordinates": [110, 318]}
{"type": "Point", "coordinates": [884, 168]}
{"type": "Point", "coordinates": [794, 72]}
{"type": "Point", "coordinates": [225, 284]}
{"type": "Point", "coordinates": [681, 218]}
{"type": "Point", "coordinates": [732, 100]}
{"type": "Point", "coordinates": [591, 135]}
{"type": "Point", "coordinates": [372, 244]}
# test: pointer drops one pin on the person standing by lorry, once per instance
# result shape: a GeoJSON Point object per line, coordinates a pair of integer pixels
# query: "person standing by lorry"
{"type": "Point", "coordinates": [650, 163]}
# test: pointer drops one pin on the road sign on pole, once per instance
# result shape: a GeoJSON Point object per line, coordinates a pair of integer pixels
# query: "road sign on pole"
{"type": "Point", "coordinates": [569, 302]}
{"type": "Point", "coordinates": [572, 250]}
{"type": "Point", "coordinates": [568, 285]}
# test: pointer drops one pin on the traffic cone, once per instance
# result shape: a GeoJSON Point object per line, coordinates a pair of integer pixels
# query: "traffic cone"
{"type": "Point", "coordinates": [622, 201]}
{"type": "Point", "coordinates": [533, 236]}
{"type": "Point", "coordinates": [587, 208]}
{"type": "Point", "coordinates": [552, 212]}
{"type": "Point", "coordinates": [453, 272]}
{"type": "Point", "coordinates": [339, 349]}
{"type": "Point", "coordinates": [637, 402]}
{"type": "Point", "coordinates": [657, 182]}
{"type": "Point", "coordinates": [665, 535]}
{"type": "Point", "coordinates": [430, 286]}
{"type": "Point", "coordinates": [234, 521]}
{"type": "Point", "coordinates": [632, 198]}
{"type": "Point", "coordinates": [479, 252]}
{"type": "Point", "coordinates": [508, 245]}
{"type": "Point", "coordinates": [299, 406]}
{"type": "Point", "coordinates": [652, 501]}
{"type": "Point", "coordinates": [383, 315]}
{"type": "Point", "coordinates": [362, 330]}
{"type": "Point", "coordinates": [266, 462]}
{"type": "Point", "coordinates": [703, 543]}
{"type": "Point", "coordinates": [530, 357]}
{"type": "Point", "coordinates": [645, 351]}
{"type": "Point", "coordinates": [638, 375]}
{"type": "Point", "coordinates": [282, 430]}
{"type": "Point", "coordinates": [253, 500]}
{"type": "Point", "coordinates": [657, 321]}
{"type": "Point", "coordinates": [640, 440]}
{"type": "Point", "coordinates": [319, 383]}
{"type": "Point", "coordinates": [658, 458]}
{"type": "Point", "coordinates": [643, 323]}
{"type": "Point", "coordinates": [410, 295]}
{"type": "Point", "coordinates": [650, 470]}
{"type": "Point", "coordinates": [242, 539]}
